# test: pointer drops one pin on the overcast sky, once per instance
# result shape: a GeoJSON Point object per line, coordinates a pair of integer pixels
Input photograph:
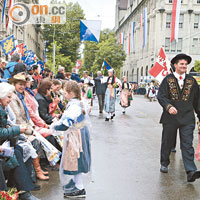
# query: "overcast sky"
{"type": "Point", "coordinates": [103, 10]}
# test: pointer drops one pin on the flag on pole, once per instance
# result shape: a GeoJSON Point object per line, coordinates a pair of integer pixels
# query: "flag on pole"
{"type": "Point", "coordinates": [106, 65]}
{"type": "Point", "coordinates": [145, 28]}
{"type": "Point", "coordinates": [129, 43]}
{"type": "Point", "coordinates": [175, 19]}
{"type": "Point", "coordinates": [9, 23]}
{"type": "Point", "coordinates": [8, 45]}
{"type": "Point", "coordinates": [41, 65]}
{"type": "Point", "coordinates": [161, 67]}
{"type": "Point", "coordinates": [90, 30]}
{"type": "Point", "coordinates": [141, 28]}
{"type": "Point", "coordinates": [133, 36]}
{"type": "Point", "coordinates": [122, 38]}
{"type": "Point", "coordinates": [4, 7]}
{"type": "Point", "coordinates": [19, 49]}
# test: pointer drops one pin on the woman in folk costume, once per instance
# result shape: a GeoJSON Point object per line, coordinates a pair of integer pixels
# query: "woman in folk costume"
{"type": "Point", "coordinates": [110, 96]}
{"type": "Point", "coordinates": [22, 116]}
{"type": "Point", "coordinates": [87, 89]}
{"type": "Point", "coordinates": [76, 156]}
{"type": "Point", "coordinates": [152, 91]}
{"type": "Point", "coordinates": [125, 94]}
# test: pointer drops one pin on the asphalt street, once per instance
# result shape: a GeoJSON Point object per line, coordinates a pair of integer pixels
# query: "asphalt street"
{"type": "Point", "coordinates": [125, 159]}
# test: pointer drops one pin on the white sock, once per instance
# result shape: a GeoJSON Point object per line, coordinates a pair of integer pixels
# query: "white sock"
{"type": "Point", "coordinates": [78, 181]}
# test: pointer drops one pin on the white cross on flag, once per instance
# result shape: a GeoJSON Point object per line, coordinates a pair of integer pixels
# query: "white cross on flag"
{"type": "Point", "coordinates": [161, 67]}
{"type": "Point", "coordinates": [78, 64]}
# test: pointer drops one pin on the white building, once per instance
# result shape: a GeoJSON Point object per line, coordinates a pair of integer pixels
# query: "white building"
{"type": "Point", "coordinates": [141, 59]}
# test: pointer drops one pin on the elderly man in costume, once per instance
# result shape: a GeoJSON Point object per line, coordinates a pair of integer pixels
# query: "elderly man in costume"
{"type": "Point", "coordinates": [179, 95]}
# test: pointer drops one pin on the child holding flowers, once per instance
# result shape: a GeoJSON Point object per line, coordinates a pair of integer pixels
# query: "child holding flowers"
{"type": "Point", "coordinates": [76, 156]}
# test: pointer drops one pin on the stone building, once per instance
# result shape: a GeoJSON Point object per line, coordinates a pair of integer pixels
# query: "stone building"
{"type": "Point", "coordinates": [31, 35]}
{"type": "Point", "coordinates": [141, 59]}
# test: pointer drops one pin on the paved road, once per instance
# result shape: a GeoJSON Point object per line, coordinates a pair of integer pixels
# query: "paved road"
{"type": "Point", "coordinates": [126, 160]}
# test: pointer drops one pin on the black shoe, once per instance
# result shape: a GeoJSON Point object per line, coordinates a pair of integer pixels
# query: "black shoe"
{"type": "Point", "coordinates": [163, 169]}
{"type": "Point", "coordinates": [100, 111]}
{"type": "Point", "coordinates": [173, 150]}
{"type": "Point", "coordinates": [75, 192]}
{"type": "Point", "coordinates": [112, 116]}
{"type": "Point", "coordinates": [123, 112]}
{"type": "Point", "coordinates": [192, 176]}
{"type": "Point", "coordinates": [27, 196]}
{"type": "Point", "coordinates": [106, 119]}
{"type": "Point", "coordinates": [69, 186]}
{"type": "Point", "coordinates": [36, 187]}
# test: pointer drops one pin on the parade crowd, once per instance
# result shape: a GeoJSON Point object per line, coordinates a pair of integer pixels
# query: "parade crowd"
{"type": "Point", "coordinates": [44, 124]}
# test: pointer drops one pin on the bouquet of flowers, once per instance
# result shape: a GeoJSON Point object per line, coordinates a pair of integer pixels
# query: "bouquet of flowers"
{"type": "Point", "coordinates": [115, 85]}
{"type": "Point", "coordinates": [12, 194]}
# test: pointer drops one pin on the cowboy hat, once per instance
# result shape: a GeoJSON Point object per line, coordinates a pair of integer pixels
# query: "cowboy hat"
{"type": "Point", "coordinates": [181, 56]}
{"type": "Point", "coordinates": [18, 77]}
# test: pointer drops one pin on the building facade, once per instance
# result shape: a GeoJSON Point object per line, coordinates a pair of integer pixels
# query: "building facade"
{"type": "Point", "coordinates": [140, 57]}
{"type": "Point", "coordinates": [31, 35]}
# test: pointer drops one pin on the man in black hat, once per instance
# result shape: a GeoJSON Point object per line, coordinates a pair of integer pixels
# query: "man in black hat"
{"type": "Point", "coordinates": [179, 96]}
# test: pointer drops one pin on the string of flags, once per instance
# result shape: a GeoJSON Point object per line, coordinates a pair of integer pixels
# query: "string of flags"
{"type": "Point", "coordinates": [28, 56]}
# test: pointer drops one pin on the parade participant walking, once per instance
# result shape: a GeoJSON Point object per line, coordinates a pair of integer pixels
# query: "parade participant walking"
{"type": "Point", "coordinates": [61, 73]}
{"type": "Point", "coordinates": [178, 95]}
{"type": "Point", "coordinates": [76, 155]}
{"type": "Point", "coordinates": [152, 92]}
{"type": "Point", "coordinates": [87, 89]}
{"type": "Point", "coordinates": [110, 96]}
{"type": "Point", "coordinates": [124, 95]}
{"type": "Point", "coordinates": [100, 89]}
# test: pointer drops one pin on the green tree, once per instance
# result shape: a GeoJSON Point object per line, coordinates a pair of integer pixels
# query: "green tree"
{"type": "Point", "coordinates": [67, 35]}
{"type": "Point", "coordinates": [197, 66]}
{"type": "Point", "coordinates": [60, 59]}
{"type": "Point", "coordinates": [108, 49]}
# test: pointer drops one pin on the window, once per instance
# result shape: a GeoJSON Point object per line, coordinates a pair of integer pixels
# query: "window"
{"type": "Point", "coordinates": [142, 71]}
{"type": "Point", "coordinates": [173, 46]}
{"type": "Point", "coordinates": [179, 46]}
{"type": "Point", "coordinates": [195, 43]}
{"type": "Point", "coordinates": [181, 21]}
{"type": "Point", "coordinates": [168, 20]}
{"type": "Point", "coordinates": [146, 71]}
{"type": "Point", "coordinates": [196, 21]}
{"type": "Point", "coordinates": [171, 1]}
{"type": "Point", "coordinates": [167, 44]}
{"type": "Point", "coordinates": [198, 1]}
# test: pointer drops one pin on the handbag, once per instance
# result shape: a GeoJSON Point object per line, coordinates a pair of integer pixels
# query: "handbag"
{"type": "Point", "coordinates": [89, 94]}
{"type": "Point", "coordinates": [130, 96]}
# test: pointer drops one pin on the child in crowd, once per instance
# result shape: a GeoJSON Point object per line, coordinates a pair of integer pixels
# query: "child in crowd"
{"type": "Point", "coordinates": [76, 155]}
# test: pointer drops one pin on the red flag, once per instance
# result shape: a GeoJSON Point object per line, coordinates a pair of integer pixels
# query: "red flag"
{"type": "Point", "coordinates": [19, 49]}
{"type": "Point", "coordinates": [78, 64]}
{"type": "Point", "coordinates": [175, 19]}
{"type": "Point", "coordinates": [161, 67]}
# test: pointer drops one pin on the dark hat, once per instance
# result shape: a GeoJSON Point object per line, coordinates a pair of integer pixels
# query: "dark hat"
{"type": "Point", "coordinates": [19, 67]}
{"type": "Point", "coordinates": [180, 57]}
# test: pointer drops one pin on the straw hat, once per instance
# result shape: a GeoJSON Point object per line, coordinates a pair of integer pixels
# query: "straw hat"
{"type": "Point", "coordinates": [18, 77]}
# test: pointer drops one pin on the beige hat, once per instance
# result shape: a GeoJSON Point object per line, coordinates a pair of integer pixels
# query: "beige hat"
{"type": "Point", "coordinates": [18, 77]}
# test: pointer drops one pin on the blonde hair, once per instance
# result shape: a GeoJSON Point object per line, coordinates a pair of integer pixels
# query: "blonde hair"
{"type": "Point", "coordinates": [73, 86]}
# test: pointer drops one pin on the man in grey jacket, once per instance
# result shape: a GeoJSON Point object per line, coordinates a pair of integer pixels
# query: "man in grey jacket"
{"type": "Point", "coordinates": [100, 89]}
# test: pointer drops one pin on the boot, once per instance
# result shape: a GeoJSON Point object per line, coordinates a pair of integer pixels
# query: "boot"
{"type": "Point", "coordinates": [38, 170]}
{"type": "Point", "coordinates": [44, 172]}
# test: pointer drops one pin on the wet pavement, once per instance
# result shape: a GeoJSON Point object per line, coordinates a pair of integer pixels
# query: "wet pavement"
{"type": "Point", "coordinates": [125, 159]}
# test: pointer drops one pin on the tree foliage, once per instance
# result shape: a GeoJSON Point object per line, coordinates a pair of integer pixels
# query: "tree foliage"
{"type": "Point", "coordinates": [67, 37]}
{"type": "Point", "coordinates": [108, 49]}
{"type": "Point", "coordinates": [197, 66]}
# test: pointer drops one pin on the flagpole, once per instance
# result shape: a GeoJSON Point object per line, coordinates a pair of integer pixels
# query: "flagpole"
{"type": "Point", "coordinates": [54, 50]}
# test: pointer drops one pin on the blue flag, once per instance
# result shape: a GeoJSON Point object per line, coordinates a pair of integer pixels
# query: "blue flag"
{"type": "Point", "coordinates": [30, 58]}
{"type": "Point", "coordinates": [41, 65]}
{"type": "Point", "coordinates": [106, 65]}
{"type": "Point", "coordinates": [90, 30]}
{"type": "Point", "coordinates": [8, 45]}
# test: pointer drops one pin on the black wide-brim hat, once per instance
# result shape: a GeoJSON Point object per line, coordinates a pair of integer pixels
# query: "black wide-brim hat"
{"type": "Point", "coordinates": [180, 57]}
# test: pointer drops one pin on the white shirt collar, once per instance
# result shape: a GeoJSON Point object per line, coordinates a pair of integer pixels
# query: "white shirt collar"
{"type": "Point", "coordinates": [178, 76]}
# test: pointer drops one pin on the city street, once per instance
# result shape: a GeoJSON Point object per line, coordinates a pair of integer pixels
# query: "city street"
{"type": "Point", "coordinates": [125, 163]}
